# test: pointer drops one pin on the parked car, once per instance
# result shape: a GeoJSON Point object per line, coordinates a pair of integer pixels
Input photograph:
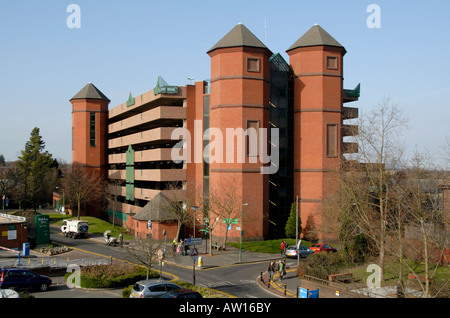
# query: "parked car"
{"type": "Point", "coordinates": [17, 278]}
{"type": "Point", "coordinates": [8, 293]}
{"type": "Point", "coordinates": [292, 251]}
{"type": "Point", "coordinates": [153, 288]}
{"type": "Point", "coordinates": [323, 247]}
{"type": "Point", "coordinates": [182, 293]}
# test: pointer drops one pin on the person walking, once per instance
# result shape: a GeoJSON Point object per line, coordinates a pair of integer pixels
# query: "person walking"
{"type": "Point", "coordinates": [181, 247]}
{"type": "Point", "coordinates": [282, 248]}
{"type": "Point", "coordinates": [281, 269]}
{"type": "Point", "coordinates": [271, 269]}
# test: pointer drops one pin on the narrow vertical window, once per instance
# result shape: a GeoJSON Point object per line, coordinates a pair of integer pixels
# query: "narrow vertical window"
{"type": "Point", "coordinates": [332, 141]}
{"type": "Point", "coordinates": [252, 138]}
{"type": "Point", "coordinates": [92, 130]}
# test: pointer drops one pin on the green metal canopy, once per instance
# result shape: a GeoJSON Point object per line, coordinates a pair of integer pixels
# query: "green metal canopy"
{"type": "Point", "coordinates": [163, 88]}
{"type": "Point", "coordinates": [356, 92]}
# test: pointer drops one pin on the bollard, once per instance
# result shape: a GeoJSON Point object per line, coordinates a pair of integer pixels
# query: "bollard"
{"type": "Point", "coordinates": [284, 289]}
{"type": "Point", "coordinates": [261, 277]}
{"type": "Point", "coordinates": [42, 262]}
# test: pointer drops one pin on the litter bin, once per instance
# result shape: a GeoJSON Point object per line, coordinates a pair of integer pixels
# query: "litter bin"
{"type": "Point", "coordinates": [26, 249]}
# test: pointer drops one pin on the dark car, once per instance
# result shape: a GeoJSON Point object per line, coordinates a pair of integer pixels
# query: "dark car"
{"type": "Point", "coordinates": [18, 279]}
{"type": "Point", "coordinates": [182, 293]}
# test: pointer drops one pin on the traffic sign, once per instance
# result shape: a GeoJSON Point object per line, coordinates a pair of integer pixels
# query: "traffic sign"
{"type": "Point", "coordinates": [230, 221]}
{"type": "Point", "coordinates": [160, 254]}
{"type": "Point", "coordinates": [194, 252]}
{"type": "Point", "coordinates": [193, 241]}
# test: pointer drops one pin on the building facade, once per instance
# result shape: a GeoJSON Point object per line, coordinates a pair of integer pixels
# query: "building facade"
{"type": "Point", "coordinates": [267, 129]}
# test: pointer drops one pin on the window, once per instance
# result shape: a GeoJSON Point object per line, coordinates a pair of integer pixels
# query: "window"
{"type": "Point", "coordinates": [253, 65]}
{"type": "Point", "coordinates": [332, 141]}
{"type": "Point", "coordinates": [252, 138]}
{"type": "Point", "coordinates": [332, 62]}
{"type": "Point", "coordinates": [92, 130]}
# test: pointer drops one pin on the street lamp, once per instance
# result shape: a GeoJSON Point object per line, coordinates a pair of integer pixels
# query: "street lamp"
{"type": "Point", "coordinates": [240, 237]}
{"type": "Point", "coordinates": [194, 208]}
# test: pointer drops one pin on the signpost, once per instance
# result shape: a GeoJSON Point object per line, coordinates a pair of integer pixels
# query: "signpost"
{"type": "Point", "coordinates": [42, 225]}
{"type": "Point", "coordinates": [193, 241]}
{"type": "Point", "coordinates": [306, 293]}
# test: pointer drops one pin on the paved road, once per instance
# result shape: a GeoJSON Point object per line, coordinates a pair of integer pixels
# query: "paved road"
{"type": "Point", "coordinates": [220, 271]}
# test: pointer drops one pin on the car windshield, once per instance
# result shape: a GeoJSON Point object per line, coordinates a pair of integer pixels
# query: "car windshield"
{"type": "Point", "coordinates": [316, 245]}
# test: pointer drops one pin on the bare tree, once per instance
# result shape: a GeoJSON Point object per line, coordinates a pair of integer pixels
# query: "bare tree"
{"type": "Point", "coordinates": [145, 252]}
{"type": "Point", "coordinates": [365, 184]}
{"type": "Point", "coordinates": [226, 204]}
{"type": "Point", "coordinates": [109, 192]}
{"type": "Point", "coordinates": [81, 186]}
{"type": "Point", "coordinates": [177, 205]}
{"type": "Point", "coordinates": [420, 223]}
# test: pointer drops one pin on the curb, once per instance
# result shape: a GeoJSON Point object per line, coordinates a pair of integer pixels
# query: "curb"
{"type": "Point", "coordinates": [275, 287]}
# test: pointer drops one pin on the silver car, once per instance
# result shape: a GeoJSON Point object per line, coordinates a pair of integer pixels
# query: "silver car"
{"type": "Point", "coordinates": [153, 288]}
{"type": "Point", "coordinates": [292, 251]}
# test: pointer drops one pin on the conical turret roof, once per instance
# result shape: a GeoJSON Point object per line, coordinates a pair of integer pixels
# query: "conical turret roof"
{"type": "Point", "coordinates": [315, 36]}
{"type": "Point", "coordinates": [237, 37]}
{"type": "Point", "coordinates": [90, 92]}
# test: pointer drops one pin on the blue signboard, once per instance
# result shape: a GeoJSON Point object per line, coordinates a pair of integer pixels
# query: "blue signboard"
{"type": "Point", "coordinates": [302, 293]}
{"type": "Point", "coordinates": [314, 293]}
{"type": "Point", "coordinates": [306, 293]}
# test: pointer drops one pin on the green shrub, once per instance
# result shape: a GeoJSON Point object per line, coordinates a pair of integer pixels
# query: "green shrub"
{"type": "Point", "coordinates": [126, 292]}
{"type": "Point", "coordinates": [323, 264]}
{"type": "Point", "coordinates": [110, 276]}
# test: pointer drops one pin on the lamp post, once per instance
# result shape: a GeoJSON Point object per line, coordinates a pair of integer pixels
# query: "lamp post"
{"type": "Point", "coordinates": [240, 236]}
{"type": "Point", "coordinates": [194, 208]}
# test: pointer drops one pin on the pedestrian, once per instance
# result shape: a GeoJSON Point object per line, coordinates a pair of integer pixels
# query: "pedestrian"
{"type": "Point", "coordinates": [282, 248]}
{"type": "Point", "coordinates": [181, 247]}
{"type": "Point", "coordinates": [281, 269]}
{"type": "Point", "coordinates": [174, 245]}
{"type": "Point", "coordinates": [271, 269]}
{"type": "Point", "coordinates": [286, 245]}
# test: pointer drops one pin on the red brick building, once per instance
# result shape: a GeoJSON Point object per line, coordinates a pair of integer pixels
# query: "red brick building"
{"type": "Point", "coordinates": [298, 105]}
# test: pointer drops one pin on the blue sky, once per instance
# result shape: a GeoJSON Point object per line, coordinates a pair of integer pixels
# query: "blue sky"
{"type": "Point", "coordinates": [122, 47]}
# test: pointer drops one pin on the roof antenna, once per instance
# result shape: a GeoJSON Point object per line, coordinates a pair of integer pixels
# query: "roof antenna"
{"type": "Point", "coordinates": [265, 30]}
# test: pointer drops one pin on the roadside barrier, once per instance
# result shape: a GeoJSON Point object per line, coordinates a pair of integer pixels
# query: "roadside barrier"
{"type": "Point", "coordinates": [51, 262]}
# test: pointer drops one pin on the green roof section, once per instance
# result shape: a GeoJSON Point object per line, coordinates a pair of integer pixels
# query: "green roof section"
{"type": "Point", "coordinates": [356, 92]}
{"type": "Point", "coordinates": [90, 92]}
{"type": "Point", "coordinates": [163, 88]}
{"type": "Point", "coordinates": [239, 36]}
{"type": "Point", "coordinates": [280, 62]}
{"type": "Point", "coordinates": [130, 101]}
{"type": "Point", "coordinates": [315, 36]}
